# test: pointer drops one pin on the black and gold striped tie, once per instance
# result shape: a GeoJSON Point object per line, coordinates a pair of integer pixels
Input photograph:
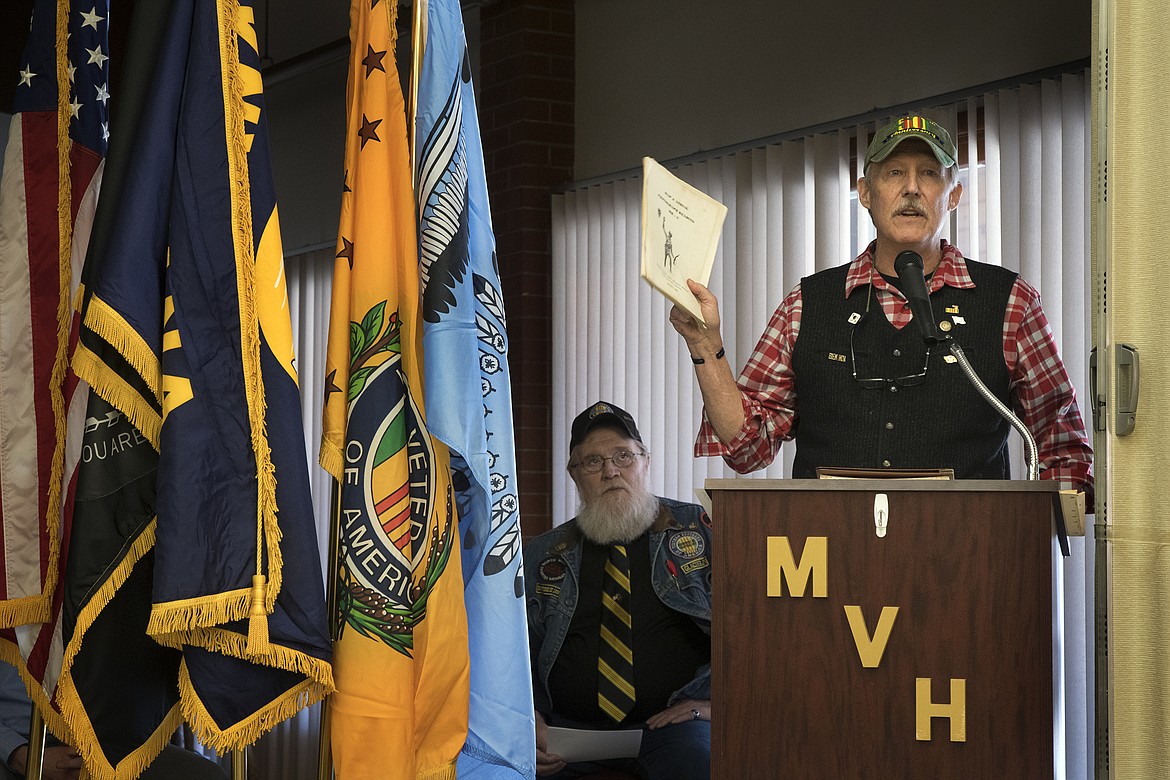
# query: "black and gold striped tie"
{"type": "Point", "coordinates": [615, 658]}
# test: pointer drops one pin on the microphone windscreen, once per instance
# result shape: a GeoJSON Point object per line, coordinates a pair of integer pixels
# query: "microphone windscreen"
{"type": "Point", "coordinates": [907, 258]}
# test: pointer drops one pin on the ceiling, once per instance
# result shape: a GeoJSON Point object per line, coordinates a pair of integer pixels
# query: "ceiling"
{"type": "Point", "coordinates": [287, 30]}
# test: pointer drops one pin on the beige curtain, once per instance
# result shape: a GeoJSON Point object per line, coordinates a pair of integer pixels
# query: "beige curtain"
{"type": "Point", "coordinates": [1133, 224]}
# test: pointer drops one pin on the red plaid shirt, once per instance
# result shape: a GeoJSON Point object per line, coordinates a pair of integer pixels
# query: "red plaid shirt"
{"type": "Point", "coordinates": [1044, 398]}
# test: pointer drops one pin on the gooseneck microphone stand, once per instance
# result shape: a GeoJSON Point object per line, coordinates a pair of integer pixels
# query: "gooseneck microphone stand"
{"type": "Point", "coordinates": [1032, 454]}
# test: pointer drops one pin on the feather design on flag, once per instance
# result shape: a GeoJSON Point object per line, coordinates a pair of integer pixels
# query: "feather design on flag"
{"type": "Point", "coordinates": [490, 334]}
{"type": "Point", "coordinates": [442, 191]}
{"type": "Point", "coordinates": [489, 295]}
{"type": "Point", "coordinates": [491, 326]}
{"type": "Point", "coordinates": [507, 547]}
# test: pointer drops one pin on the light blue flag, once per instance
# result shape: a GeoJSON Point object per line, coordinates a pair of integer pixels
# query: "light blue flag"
{"type": "Point", "coordinates": [465, 339]}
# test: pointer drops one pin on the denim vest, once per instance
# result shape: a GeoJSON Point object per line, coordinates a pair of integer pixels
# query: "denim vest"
{"type": "Point", "coordinates": [680, 560]}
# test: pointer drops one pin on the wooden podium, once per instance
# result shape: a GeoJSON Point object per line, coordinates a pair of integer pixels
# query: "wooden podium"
{"type": "Point", "coordinates": [839, 652]}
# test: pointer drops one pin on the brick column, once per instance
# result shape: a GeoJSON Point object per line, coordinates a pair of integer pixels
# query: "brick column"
{"type": "Point", "coordinates": [526, 114]}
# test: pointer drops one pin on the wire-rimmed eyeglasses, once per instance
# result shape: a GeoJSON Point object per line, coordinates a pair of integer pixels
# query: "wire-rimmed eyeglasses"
{"type": "Point", "coordinates": [592, 464]}
{"type": "Point", "coordinates": [876, 383]}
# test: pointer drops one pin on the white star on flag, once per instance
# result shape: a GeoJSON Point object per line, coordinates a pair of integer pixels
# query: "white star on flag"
{"type": "Point", "coordinates": [96, 56]}
{"type": "Point", "coordinates": [91, 19]}
{"type": "Point", "coordinates": [26, 77]}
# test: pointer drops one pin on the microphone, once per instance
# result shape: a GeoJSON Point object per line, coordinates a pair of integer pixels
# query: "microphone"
{"type": "Point", "coordinates": [908, 267]}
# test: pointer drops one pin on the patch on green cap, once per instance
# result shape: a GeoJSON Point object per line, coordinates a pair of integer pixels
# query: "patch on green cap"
{"type": "Point", "coordinates": [912, 126]}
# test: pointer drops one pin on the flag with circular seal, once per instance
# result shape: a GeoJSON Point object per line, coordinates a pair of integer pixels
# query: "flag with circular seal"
{"type": "Point", "coordinates": [393, 487]}
{"type": "Point", "coordinates": [400, 657]}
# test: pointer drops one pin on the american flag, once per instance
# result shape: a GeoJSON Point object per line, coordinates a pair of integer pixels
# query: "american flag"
{"type": "Point", "coordinates": [51, 175]}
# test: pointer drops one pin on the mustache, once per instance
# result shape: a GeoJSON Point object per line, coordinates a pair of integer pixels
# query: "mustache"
{"type": "Point", "coordinates": [910, 204]}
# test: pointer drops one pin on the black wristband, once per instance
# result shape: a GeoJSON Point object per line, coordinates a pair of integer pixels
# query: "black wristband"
{"type": "Point", "coordinates": [701, 361]}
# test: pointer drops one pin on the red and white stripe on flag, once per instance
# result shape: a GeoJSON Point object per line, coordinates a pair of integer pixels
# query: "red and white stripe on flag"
{"type": "Point", "coordinates": [52, 166]}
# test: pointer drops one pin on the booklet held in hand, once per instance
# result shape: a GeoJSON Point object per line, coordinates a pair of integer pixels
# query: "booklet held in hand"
{"type": "Point", "coordinates": [680, 233]}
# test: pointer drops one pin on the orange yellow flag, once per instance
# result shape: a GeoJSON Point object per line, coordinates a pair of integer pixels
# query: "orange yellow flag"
{"type": "Point", "coordinates": [401, 661]}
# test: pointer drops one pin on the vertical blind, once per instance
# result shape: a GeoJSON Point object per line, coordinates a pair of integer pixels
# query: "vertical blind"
{"type": "Point", "coordinates": [792, 211]}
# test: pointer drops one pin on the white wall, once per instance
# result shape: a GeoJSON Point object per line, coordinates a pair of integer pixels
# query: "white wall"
{"type": "Point", "coordinates": [667, 78]}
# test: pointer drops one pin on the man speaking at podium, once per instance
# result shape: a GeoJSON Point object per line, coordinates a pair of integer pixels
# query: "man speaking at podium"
{"type": "Point", "coordinates": [839, 370]}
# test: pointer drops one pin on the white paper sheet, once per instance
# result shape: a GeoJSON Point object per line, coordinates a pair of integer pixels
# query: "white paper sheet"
{"type": "Point", "coordinates": [585, 745]}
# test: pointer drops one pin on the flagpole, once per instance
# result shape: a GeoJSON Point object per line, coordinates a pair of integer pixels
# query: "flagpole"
{"type": "Point", "coordinates": [240, 764]}
{"type": "Point", "coordinates": [418, 14]}
{"type": "Point", "coordinates": [324, 748]}
{"type": "Point", "coordinates": [34, 763]}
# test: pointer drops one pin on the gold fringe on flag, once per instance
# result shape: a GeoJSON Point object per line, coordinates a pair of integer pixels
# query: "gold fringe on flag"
{"type": "Point", "coordinates": [268, 533]}
{"type": "Point", "coordinates": [72, 709]}
{"type": "Point", "coordinates": [103, 320]}
{"type": "Point", "coordinates": [20, 611]}
{"type": "Point", "coordinates": [245, 733]}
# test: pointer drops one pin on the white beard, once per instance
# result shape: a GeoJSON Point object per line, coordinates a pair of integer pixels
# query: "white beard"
{"type": "Point", "coordinates": [618, 518]}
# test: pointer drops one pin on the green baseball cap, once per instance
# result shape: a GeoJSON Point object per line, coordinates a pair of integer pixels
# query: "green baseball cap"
{"type": "Point", "coordinates": [912, 126]}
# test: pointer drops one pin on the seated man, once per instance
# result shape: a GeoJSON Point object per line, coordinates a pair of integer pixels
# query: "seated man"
{"type": "Point", "coordinates": [62, 762]}
{"type": "Point", "coordinates": [619, 611]}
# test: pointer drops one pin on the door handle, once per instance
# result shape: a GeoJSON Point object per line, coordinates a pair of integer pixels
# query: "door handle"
{"type": "Point", "coordinates": [1127, 369]}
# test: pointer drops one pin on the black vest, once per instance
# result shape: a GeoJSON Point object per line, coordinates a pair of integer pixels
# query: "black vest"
{"type": "Point", "coordinates": [942, 422]}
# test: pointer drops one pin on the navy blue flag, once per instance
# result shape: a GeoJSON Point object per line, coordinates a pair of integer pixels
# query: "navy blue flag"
{"type": "Point", "coordinates": [465, 337]}
{"type": "Point", "coordinates": [186, 332]}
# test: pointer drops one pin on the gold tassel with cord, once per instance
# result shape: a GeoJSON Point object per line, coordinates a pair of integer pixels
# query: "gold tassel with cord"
{"type": "Point", "coordinates": [258, 618]}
